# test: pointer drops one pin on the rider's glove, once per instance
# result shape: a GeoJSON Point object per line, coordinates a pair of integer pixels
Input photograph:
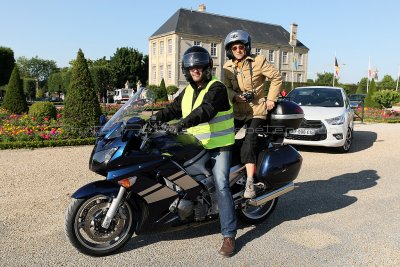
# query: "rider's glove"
{"type": "Point", "coordinates": [174, 128]}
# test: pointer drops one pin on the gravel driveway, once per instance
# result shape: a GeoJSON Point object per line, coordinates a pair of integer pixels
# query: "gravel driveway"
{"type": "Point", "coordinates": [345, 211]}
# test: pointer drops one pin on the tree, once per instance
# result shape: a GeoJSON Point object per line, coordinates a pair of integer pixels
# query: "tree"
{"type": "Point", "coordinates": [387, 83]}
{"type": "Point", "coordinates": [172, 89]}
{"type": "Point", "coordinates": [55, 83]}
{"type": "Point", "coordinates": [7, 63]}
{"type": "Point", "coordinates": [103, 79]}
{"type": "Point", "coordinates": [162, 94]}
{"type": "Point", "coordinates": [82, 108]}
{"type": "Point", "coordinates": [326, 79]}
{"type": "Point", "coordinates": [29, 85]}
{"type": "Point", "coordinates": [369, 101]}
{"type": "Point", "coordinates": [37, 68]}
{"type": "Point", "coordinates": [14, 100]}
{"type": "Point", "coordinates": [362, 86]}
{"type": "Point", "coordinates": [128, 65]}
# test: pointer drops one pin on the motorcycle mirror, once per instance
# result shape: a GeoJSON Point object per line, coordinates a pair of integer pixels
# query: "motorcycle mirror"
{"type": "Point", "coordinates": [103, 119]}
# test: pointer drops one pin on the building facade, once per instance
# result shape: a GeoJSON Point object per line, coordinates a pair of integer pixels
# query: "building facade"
{"type": "Point", "coordinates": [187, 28]}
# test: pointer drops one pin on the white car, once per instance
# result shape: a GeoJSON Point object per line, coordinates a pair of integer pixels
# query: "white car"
{"type": "Point", "coordinates": [328, 118]}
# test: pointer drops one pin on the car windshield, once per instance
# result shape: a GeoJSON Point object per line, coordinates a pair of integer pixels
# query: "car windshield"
{"type": "Point", "coordinates": [319, 97]}
{"type": "Point", "coordinates": [139, 102]}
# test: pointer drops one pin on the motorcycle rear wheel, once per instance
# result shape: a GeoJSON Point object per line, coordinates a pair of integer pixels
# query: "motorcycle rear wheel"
{"type": "Point", "coordinates": [83, 226]}
{"type": "Point", "coordinates": [253, 215]}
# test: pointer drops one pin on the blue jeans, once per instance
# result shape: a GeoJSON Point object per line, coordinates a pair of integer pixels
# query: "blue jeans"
{"type": "Point", "coordinates": [220, 162]}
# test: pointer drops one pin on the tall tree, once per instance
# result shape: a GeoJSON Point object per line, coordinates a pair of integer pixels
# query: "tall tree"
{"type": "Point", "coordinates": [14, 100]}
{"type": "Point", "coordinates": [82, 108]}
{"type": "Point", "coordinates": [128, 65]}
{"type": "Point", "coordinates": [29, 85]}
{"type": "Point", "coordinates": [387, 83]}
{"type": "Point", "coordinates": [163, 96]}
{"type": "Point", "coordinates": [7, 63]}
{"type": "Point", "coordinates": [103, 79]}
{"type": "Point", "coordinates": [37, 68]}
{"type": "Point", "coordinates": [369, 100]}
{"type": "Point", "coordinates": [362, 86]}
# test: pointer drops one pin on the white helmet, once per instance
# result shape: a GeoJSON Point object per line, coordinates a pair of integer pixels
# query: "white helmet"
{"type": "Point", "coordinates": [237, 36]}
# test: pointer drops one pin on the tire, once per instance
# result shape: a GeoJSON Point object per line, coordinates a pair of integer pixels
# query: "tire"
{"type": "Point", "coordinates": [347, 143]}
{"type": "Point", "coordinates": [253, 215]}
{"type": "Point", "coordinates": [83, 226]}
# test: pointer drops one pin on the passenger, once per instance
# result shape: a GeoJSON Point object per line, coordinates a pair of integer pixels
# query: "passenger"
{"type": "Point", "coordinates": [245, 75]}
{"type": "Point", "coordinates": [204, 108]}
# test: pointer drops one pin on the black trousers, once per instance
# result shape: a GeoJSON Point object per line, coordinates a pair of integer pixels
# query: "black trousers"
{"type": "Point", "coordinates": [249, 148]}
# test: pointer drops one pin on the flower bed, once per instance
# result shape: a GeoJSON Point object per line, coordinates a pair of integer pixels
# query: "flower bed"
{"type": "Point", "coordinates": [380, 115]}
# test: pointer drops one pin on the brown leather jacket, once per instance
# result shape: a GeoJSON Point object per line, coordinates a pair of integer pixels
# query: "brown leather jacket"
{"type": "Point", "coordinates": [239, 80]}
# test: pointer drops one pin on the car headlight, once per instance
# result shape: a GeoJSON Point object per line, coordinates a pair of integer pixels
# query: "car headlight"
{"type": "Point", "coordinates": [336, 120]}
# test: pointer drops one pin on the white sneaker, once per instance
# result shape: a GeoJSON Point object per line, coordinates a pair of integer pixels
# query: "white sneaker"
{"type": "Point", "coordinates": [249, 192]}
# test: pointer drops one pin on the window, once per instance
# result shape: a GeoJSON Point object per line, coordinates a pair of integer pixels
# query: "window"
{"type": "Point", "coordinates": [170, 46]}
{"type": "Point", "coordinates": [258, 51]}
{"type": "Point", "coordinates": [299, 77]}
{"type": "Point", "coordinates": [196, 43]}
{"type": "Point", "coordinates": [161, 47]}
{"type": "Point", "coordinates": [154, 49]}
{"type": "Point", "coordinates": [154, 73]}
{"type": "Point", "coordinates": [169, 71]}
{"type": "Point", "coordinates": [284, 76]}
{"type": "Point", "coordinates": [214, 71]}
{"type": "Point", "coordinates": [161, 72]}
{"type": "Point", "coordinates": [300, 59]}
{"type": "Point", "coordinates": [285, 57]}
{"type": "Point", "coordinates": [213, 49]}
{"type": "Point", "coordinates": [271, 55]}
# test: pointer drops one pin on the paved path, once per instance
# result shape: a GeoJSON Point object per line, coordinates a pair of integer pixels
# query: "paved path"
{"type": "Point", "coordinates": [344, 212]}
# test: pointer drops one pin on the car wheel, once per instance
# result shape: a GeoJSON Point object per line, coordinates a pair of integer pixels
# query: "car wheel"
{"type": "Point", "coordinates": [347, 143]}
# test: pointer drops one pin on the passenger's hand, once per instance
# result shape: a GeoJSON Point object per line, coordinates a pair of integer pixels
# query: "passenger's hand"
{"type": "Point", "coordinates": [270, 104]}
{"type": "Point", "coordinates": [239, 98]}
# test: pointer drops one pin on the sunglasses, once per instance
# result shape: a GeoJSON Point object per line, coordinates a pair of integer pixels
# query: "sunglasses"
{"type": "Point", "coordinates": [236, 47]}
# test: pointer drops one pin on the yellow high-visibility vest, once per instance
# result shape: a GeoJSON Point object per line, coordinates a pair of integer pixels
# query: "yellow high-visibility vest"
{"type": "Point", "coordinates": [219, 131]}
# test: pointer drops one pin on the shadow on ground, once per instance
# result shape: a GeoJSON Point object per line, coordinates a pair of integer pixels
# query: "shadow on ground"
{"type": "Point", "coordinates": [309, 198]}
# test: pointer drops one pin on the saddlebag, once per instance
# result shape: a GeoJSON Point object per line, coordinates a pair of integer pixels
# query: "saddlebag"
{"type": "Point", "coordinates": [286, 116]}
{"type": "Point", "coordinates": [278, 165]}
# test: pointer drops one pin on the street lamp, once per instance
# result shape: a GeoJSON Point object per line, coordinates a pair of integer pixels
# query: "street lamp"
{"type": "Point", "coordinates": [293, 43]}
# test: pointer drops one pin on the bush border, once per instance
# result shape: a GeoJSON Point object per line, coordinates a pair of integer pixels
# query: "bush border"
{"type": "Point", "coordinates": [46, 143]}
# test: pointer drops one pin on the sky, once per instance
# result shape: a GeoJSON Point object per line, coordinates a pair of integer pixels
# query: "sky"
{"type": "Point", "coordinates": [356, 31]}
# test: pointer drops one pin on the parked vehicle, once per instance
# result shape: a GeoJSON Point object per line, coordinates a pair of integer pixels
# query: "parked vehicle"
{"type": "Point", "coordinates": [328, 120]}
{"type": "Point", "coordinates": [156, 181]}
{"type": "Point", "coordinates": [356, 100]}
{"type": "Point", "coordinates": [123, 95]}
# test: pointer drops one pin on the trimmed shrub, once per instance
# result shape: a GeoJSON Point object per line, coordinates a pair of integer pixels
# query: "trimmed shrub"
{"type": "Point", "coordinates": [386, 97]}
{"type": "Point", "coordinates": [369, 101]}
{"type": "Point", "coordinates": [15, 101]}
{"type": "Point", "coordinates": [42, 110]}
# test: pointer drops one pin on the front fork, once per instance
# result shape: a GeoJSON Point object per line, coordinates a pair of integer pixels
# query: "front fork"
{"type": "Point", "coordinates": [113, 208]}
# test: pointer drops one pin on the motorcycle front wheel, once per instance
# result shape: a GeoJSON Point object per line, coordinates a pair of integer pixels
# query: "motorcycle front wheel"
{"type": "Point", "coordinates": [256, 214]}
{"type": "Point", "coordinates": [83, 225]}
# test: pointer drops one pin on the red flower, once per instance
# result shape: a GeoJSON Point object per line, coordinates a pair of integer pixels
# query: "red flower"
{"type": "Point", "coordinates": [46, 119]}
{"type": "Point", "coordinates": [59, 116]}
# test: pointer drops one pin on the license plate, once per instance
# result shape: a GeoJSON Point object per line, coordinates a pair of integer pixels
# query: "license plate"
{"type": "Point", "coordinates": [303, 132]}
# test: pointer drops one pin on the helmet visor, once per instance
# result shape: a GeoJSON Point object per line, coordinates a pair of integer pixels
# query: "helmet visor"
{"type": "Point", "coordinates": [195, 59]}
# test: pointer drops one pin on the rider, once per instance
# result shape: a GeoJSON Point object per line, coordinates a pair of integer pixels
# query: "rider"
{"type": "Point", "coordinates": [204, 109]}
{"type": "Point", "coordinates": [245, 75]}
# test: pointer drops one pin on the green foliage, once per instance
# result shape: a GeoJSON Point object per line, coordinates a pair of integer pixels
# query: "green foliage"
{"type": "Point", "coordinates": [15, 101]}
{"type": "Point", "coordinates": [7, 63]}
{"type": "Point", "coordinates": [43, 110]}
{"type": "Point", "coordinates": [163, 96]}
{"type": "Point", "coordinates": [386, 98]}
{"type": "Point", "coordinates": [29, 86]}
{"type": "Point", "coordinates": [387, 83]}
{"type": "Point", "coordinates": [128, 64]}
{"type": "Point", "coordinates": [37, 68]}
{"type": "Point", "coordinates": [350, 88]}
{"type": "Point", "coordinates": [153, 90]}
{"type": "Point", "coordinates": [47, 143]}
{"type": "Point", "coordinates": [40, 93]}
{"type": "Point", "coordinates": [82, 108]}
{"type": "Point", "coordinates": [172, 89]}
{"type": "Point", "coordinates": [55, 82]}
{"type": "Point", "coordinates": [326, 79]}
{"type": "Point", "coordinates": [103, 79]}
{"type": "Point", "coordinates": [369, 101]}
{"type": "Point", "coordinates": [362, 86]}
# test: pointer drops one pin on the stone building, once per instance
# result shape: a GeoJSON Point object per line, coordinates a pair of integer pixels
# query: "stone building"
{"type": "Point", "coordinates": [187, 28]}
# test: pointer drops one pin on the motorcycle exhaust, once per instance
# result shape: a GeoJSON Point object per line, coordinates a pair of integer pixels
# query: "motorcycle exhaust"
{"type": "Point", "coordinates": [271, 195]}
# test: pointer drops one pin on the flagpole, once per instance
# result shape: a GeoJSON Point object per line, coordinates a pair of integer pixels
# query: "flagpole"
{"type": "Point", "coordinates": [397, 83]}
{"type": "Point", "coordinates": [369, 70]}
{"type": "Point", "coordinates": [334, 72]}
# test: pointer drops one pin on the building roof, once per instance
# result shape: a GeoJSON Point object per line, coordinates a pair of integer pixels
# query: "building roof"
{"type": "Point", "coordinates": [207, 24]}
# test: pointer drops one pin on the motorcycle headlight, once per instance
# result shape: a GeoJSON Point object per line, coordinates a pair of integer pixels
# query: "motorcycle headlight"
{"type": "Point", "coordinates": [105, 155]}
{"type": "Point", "coordinates": [336, 120]}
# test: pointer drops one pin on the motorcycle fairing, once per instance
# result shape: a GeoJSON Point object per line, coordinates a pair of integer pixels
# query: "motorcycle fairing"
{"type": "Point", "coordinates": [102, 187]}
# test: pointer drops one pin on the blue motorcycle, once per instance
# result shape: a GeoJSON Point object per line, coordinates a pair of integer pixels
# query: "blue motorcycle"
{"type": "Point", "coordinates": [157, 181]}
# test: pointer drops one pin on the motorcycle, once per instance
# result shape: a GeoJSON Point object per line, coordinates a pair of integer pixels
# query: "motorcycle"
{"type": "Point", "coordinates": [157, 181]}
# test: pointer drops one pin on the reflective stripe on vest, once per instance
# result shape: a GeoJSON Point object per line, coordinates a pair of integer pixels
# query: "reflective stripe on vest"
{"type": "Point", "coordinates": [219, 131]}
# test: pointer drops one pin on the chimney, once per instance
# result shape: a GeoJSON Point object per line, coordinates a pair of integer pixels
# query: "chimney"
{"type": "Point", "coordinates": [202, 8]}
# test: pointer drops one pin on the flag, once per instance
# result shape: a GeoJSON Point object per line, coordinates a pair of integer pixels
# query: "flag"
{"type": "Point", "coordinates": [369, 69]}
{"type": "Point", "coordinates": [336, 68]}
{"type": "Point", "coordinates": [295, 63]}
